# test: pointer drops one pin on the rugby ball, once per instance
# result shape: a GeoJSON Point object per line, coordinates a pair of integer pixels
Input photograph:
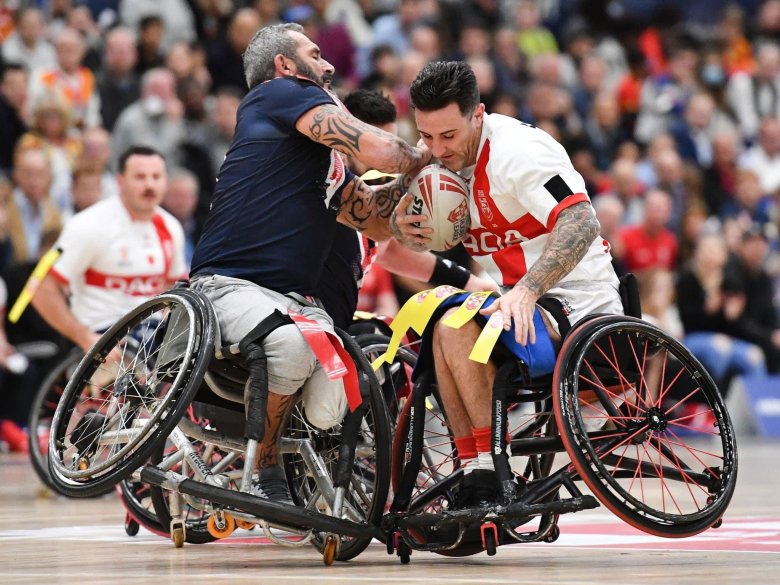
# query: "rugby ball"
{"type": "Point", "coordinates": [443, 197]}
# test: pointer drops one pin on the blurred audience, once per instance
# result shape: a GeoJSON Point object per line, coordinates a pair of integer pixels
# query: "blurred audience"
{"type": "Point", "coordinates": [672, 120]}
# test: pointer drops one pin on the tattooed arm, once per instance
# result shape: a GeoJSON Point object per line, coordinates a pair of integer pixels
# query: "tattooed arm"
{"type": "Point", "coordinates": [330, 125]}
{"type": "Point", "coordinates": [368, 209]}
{"type": "Point", "coordinates": [572, 235]}
{"type": "Point", "coordinates": [569, 240]}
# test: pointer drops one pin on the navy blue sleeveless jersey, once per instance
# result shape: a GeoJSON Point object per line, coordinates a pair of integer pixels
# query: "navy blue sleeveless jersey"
{"type": "Point", "coordinates": [273, 217]}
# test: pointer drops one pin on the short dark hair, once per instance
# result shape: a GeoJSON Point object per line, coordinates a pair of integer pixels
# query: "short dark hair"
{"type": "Point", "coordinates": [137, 150]}
{"type": "Point", "coordinates": [11, 66]}
{"type": "Point", "coordinates": [150, 20]}
{"type": "Point", "coordinates": [371, 107]}
{"type": "Point", "coordinates": [443, 82]}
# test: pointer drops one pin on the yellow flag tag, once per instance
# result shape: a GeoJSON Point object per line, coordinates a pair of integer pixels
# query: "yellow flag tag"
{"type": "Point", "coordinates": [32, 284]}
{"type": "Point", "coordinates": [415, 313]}
{"type": "Point", "coordinates": [467, 310]}
{"type": "Point", "coordinates": [364, 316]}
{"type": "Point", "coordinates": [373, 174]}
{"type": "Point", "coordinates": [399, 327]}
{"type": "Point", "coordinates": [487, 339]}
{"type": "Point", "coordinates": [421, 312]}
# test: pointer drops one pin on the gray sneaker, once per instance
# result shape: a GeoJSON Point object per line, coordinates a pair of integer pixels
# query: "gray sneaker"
{"type": "Point", "coordinates": [271, 484]}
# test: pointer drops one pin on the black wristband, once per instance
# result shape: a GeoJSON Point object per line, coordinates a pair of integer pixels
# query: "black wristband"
{"type": "Point", "coordinates": [447, 272]}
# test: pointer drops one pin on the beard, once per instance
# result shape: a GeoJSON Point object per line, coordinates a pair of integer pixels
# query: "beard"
{"type": "Point", "coordinates": [305, 71]}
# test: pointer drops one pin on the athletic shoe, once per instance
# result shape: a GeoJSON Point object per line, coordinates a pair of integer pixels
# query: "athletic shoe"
{"type": "Point", "coordinates": [271, 484]}
{"type": "Point", "coordinates": [478, 489]}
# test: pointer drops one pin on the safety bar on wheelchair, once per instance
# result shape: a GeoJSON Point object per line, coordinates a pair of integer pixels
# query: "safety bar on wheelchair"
{"type": "Point", "coordinates": [285, 515]}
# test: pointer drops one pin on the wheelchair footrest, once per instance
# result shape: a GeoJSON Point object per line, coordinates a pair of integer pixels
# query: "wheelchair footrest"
{"type": "Point", "coordinates": [497, 513]}
{"type": "Point", "coordinates": [276, 513]}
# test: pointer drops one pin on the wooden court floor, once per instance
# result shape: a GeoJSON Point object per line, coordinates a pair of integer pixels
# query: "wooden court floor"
{"type": "Point", "coordinates": [51, 540]}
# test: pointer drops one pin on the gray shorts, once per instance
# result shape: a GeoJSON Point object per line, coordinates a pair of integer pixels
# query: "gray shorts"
{"type": "Point", "coordinates": [240, 305]}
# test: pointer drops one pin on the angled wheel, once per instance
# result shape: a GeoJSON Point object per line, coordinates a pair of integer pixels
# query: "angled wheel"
{"type": "Point", "coordinates": [626, 399]}
{"type": "Point", "coordinates": [136, 498]}
{"type": "Point", "coordinates": [127, 394]}
{"type": "Point", "coordinates": [42, 411]}
{"type": "Point", "coordinates": [439, 455]}
{"type": "Point", "coordinates": [367, 495]}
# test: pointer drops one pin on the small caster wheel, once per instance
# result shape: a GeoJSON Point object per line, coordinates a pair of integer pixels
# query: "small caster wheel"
{"type": "Point", "coordinates": [490, 543]}
{"type": "Point", "coordinates": [404, 553]}
{"type": "Point", "coordinates": [177, 536]}
{"type": "Point", "coordinates": [718, 523]}
{"type": "Point", "coordinates": [221, 525]}
{"type": "Point", "coordinates": [245, 524]}
{"type": "Point", "coordinates": [552, 534]}
{"type": "Point", "coordinates": [330, 549]}
{"type": "Point", "coordinates": [131, 526]}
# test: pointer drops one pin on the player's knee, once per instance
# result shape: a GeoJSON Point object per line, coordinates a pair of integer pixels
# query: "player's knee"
{"type": "Point", "coordinates": [442, 332]}
{"type": "Point", "coordinates": [290, 359]}
{"type": "Point", "coordinates": [324, 400]}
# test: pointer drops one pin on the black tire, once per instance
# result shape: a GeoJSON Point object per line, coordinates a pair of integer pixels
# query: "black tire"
{"type": "Point", "coordinates": [371, 471]}
{"type": "Point", "coordinates": [42, 411]}
{"type": "Point", "coordinates": [173, 352]}
{"type": "Point", "coordinates": [619, 391]}
{"type": "Point", "coordinates": [136, 498]}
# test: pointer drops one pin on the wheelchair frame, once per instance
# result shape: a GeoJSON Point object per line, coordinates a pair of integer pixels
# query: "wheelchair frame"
{"type": "Point", "coordinates": [134, 420]}
{"type": "Point", "coordinates": [558, 427]}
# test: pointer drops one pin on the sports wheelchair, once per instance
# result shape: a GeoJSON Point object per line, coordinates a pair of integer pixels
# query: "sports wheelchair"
{"type": "Point", "coordinates": [618, 410]}
{"type": "Point", "coordinates": [177, 399]}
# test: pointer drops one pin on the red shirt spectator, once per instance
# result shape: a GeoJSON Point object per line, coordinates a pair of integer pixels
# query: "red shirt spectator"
{"type": "Point", "coordinates": [650, 244]}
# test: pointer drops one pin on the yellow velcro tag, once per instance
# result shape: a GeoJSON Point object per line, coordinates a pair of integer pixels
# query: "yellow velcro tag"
{"type": "Point", "coordinates": [421, 312]}
{"type": "Point", "coordinates": [373, 174]}
{"type": "Point", "coordinates": [467, 310]}
{"type": "Point", "coordinates": [399, 327]}
{"type": "Point", "coordinates": [487, 339]}
{"type": "Point", "coordinates": [364, 315]}
{"type": "Point", "coordinates": [32, 284]}
{"type": "Point", "coordinates": [415, 313]}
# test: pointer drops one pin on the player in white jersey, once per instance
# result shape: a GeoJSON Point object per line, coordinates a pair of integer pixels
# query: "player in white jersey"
{"type": "Point", "coordinates": [115, 254]}
{"type": "Point", "coordinates": [532, 229]}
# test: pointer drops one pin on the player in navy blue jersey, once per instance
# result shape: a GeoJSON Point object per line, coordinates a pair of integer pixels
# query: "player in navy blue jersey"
{"type": "Point", "coordinates": [352, 254]}
{"type": "Point", "coordinates": [280, 192]}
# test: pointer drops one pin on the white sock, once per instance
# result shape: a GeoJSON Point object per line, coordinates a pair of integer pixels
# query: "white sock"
{"type": "Point", "coordinates": [485, 461]}
{"type": "Point", "coordinates": [470, 465]}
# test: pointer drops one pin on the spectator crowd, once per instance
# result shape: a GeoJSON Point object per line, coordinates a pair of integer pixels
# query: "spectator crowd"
{"type": "Point", "coordinates": [669, 110]}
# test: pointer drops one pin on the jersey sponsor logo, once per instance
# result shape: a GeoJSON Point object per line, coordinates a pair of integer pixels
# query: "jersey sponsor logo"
{"type": "Point", "coordinates": [481, 242]}
{"type": "Point", "coordinates": [136, 286]}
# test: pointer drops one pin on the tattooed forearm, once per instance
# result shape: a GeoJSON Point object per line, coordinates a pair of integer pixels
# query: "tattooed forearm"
{"type": "Point", "coordinates": [569, 240]}
{"type": "Point", "coordinates": [365, 208]}
{"type": "Point", "coordinates": [388, 196]}
{"type": "Point", "coordinates": [373, 147]}
{"type": "Point", "coordinates": [336, 129]}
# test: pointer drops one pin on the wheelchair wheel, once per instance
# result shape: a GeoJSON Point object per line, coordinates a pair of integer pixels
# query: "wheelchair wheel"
{"type": "Point", "coordinates": [367, 495]}
{"type": "Point", "coordinates": [136, 498]}
{"type": "Point", "coordinates": [439, 456]}
{"type": "Point", "coordinates": [42, 411]}
{"type": "Point", "coordinates": [626, 397]}
{"type": "Point", "coordinates": [127, 394]}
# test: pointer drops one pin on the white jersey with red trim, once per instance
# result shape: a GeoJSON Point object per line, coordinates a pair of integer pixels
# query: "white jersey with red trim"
{"type": "Point", "coordinates": [112, 263]}
{"type": "Point", "coordinates": [522, 180]}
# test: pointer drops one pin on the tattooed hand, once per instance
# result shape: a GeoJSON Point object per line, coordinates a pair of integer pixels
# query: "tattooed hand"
{"type": "Point", "coordinates": [406, 228]}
